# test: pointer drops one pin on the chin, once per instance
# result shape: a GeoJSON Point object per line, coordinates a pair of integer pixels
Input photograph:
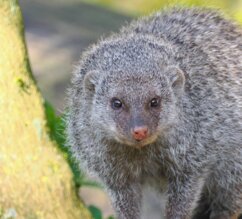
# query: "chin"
{"type": "Point", "coordinates": [137, 144]}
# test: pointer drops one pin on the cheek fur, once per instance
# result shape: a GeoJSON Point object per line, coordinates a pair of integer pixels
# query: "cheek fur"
{"type": "Point", "coordinates": [168, 115]}
{"type": "Point", "coordinates": [122, 121]}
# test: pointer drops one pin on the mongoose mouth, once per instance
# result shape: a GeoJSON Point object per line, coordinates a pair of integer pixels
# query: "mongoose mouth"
{"type": "Point", "coordinates": [137, 143]}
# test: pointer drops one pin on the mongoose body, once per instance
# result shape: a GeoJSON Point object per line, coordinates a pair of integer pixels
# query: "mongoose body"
{"type": "Point", "coordinates": [161, 101]}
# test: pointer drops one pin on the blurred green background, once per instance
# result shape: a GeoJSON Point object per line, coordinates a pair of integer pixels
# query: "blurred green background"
{"type": "Point", "coordinates": [58, 31]}
{"type": "Point", "coordinates": [140, 7]}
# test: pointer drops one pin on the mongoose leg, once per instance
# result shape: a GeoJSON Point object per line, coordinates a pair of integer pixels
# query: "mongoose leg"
{"type": "Point", "coordinates": [181, 197]}
{"type": "Point", "coordinates": [126, 201]}
{"type": "Point", "coordinates": [235, 216]}
{"type": "Point", "coordinates": [223, 215]}
{"type": "Point", "coordinates": [225, 186]}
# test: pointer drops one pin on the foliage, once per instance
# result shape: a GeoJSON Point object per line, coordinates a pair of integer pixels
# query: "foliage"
{"type": "Point", "coordinates": [96, 213]}
{"type": "Point", "coordinates": [56, 126]}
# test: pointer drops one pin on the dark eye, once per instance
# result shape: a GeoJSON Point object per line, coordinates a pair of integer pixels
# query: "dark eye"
{"type": "Point", "coordinates": [116, 103]}
{"type": "Point", "coordinates": [154, 102]}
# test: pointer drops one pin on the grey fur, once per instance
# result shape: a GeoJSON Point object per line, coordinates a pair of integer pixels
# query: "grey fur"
{"type": "Point", "coordinates": [192, 59]}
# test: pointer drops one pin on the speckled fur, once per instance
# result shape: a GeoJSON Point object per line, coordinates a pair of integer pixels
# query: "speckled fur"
{"type": "Point", "coordinates": [197, 154]}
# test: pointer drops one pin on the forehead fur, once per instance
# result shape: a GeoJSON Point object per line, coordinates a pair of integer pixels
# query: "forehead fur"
{"type": "Point", "coordinates": [132, 53]}
{"type": "Point", "coordinates": [121, 83]}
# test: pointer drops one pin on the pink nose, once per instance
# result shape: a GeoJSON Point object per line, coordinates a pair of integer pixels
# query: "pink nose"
{"type": "Point", "coordinates": [140, 133]}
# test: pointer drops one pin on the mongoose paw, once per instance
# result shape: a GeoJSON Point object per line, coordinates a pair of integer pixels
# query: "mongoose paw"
{"type": "Point", "coordinates": [223, 215]}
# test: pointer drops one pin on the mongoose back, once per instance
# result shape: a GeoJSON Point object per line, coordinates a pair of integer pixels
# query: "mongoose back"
{"type": "Point", "coordinates": [161, 102]}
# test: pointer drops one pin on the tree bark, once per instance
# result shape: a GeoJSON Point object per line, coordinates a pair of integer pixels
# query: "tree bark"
{"type": "Point", "coordinates": [35, 179]}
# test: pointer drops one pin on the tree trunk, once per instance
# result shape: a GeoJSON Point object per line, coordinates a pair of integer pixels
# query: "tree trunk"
{"type": "Point", "coordinates": [35, 179]}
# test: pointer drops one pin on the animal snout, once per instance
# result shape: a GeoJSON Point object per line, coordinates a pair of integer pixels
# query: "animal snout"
{"type": "Point", "coordinates": [140, 133]}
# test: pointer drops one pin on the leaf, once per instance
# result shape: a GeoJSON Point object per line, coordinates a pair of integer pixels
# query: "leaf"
{"type": "Point", "coordinates": [96, 212]}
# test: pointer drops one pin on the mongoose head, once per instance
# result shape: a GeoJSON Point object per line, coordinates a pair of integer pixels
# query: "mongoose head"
{"type": "Point", "coordinates": [134, 88]}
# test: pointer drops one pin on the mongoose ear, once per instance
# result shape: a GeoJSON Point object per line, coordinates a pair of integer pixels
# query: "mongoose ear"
{"type": "Point", "coordinates": [177, 79]}
{"type": "Point", "coordinates": [90, 81]}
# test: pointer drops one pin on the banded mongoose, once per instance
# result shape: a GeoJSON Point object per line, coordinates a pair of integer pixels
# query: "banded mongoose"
{"type": "Point", "coordinates": [161, 102]}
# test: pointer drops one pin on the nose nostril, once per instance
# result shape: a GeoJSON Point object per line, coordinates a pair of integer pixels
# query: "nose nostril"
{"type": "Point", "coordinates": [140, 133]}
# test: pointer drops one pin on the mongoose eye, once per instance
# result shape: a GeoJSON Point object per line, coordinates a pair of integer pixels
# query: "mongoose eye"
{"type": "Point", "coordinates": [154, 102]}
{"type": "Point", "coordinates": [116, 103]}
